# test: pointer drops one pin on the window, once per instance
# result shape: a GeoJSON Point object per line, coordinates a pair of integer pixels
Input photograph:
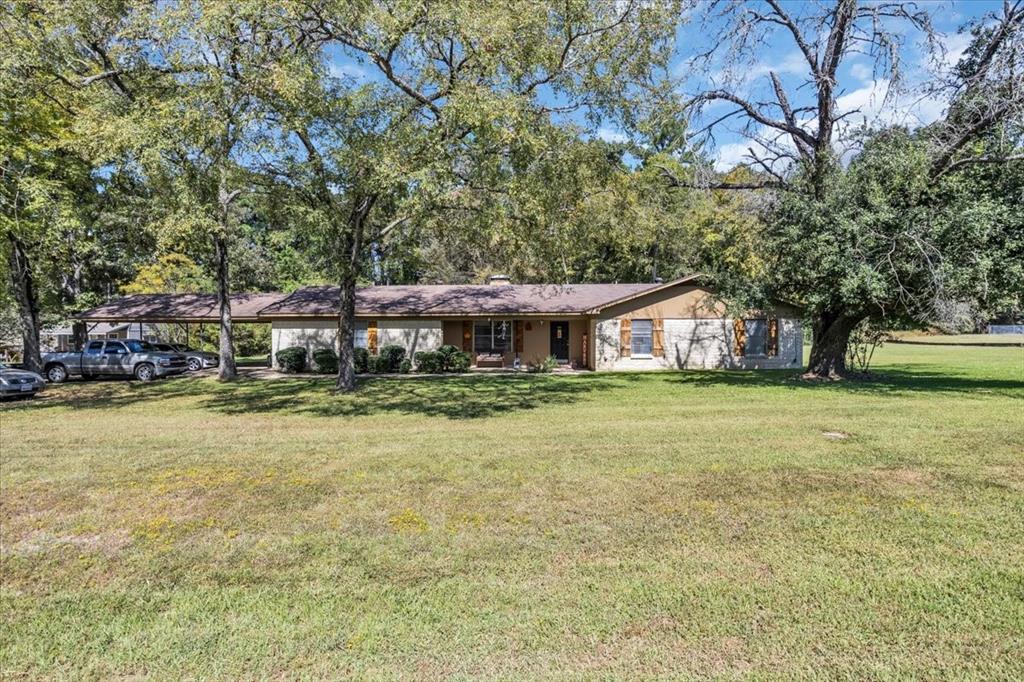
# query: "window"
{"type": "Point", "coordinates": [137, 346]}
{"type": "Point", "coordinates": [492, 336]}
{"type": "Point", "coordinates": [114, 348]}
{"type": "Point", "coordinates": [362, 335]}
{"type": "Point", "coordinates": [757, 337]}
{"type": "Point", "coordinates": [641, 340]}
{"type": "Point", "coordinates": [95, 348]}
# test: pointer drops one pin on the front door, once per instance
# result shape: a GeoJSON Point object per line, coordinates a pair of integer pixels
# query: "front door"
{"type": "Point", "coordinates": [560, 341]}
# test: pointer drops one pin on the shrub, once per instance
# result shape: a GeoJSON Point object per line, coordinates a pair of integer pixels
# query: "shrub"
{"type": "Point", "coordinates": [429, 362]}
{"type": "Point", "coordinates": [447, 352]}
{"type": "Point", "coordinates": [459, 362]}
{"type": "Point", "coordinates": [375, 364]}
{"type": "Point", "coordinates": [544, 366]}
{"type": "Point", "coordinates": [405, 367]}
{"type": "Point", "coordinates": [326, 360]}
{"type": "Point", "coordinates": [291, 359]}
{"type": "Point", "coordinates": [391, 358]}
{"type": "Point", "coordinates": [361, 358]}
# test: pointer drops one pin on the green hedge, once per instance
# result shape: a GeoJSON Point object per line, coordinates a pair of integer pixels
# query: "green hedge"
{"type": "Point", "coordinates": [361, 358]}
{"type": "Point", "coordinates": [326, 360]}
{"type": "Point", "coordinates": [390, 359]}
{"type": "Point", "coordinates": [291, 359]}
{"type": "Point", "coordinates": [444, 359]}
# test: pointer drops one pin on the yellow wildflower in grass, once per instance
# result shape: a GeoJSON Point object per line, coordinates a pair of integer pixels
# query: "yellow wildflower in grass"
{"type": "Point", "coordinates": [408, 521]}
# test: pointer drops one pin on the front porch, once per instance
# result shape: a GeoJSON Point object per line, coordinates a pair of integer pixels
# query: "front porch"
{"type": "Point", "coordinates": [514, 343]}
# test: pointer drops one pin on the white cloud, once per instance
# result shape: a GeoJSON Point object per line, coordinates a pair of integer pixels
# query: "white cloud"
{"type": "Point", "coordinates": [609, 135]}
{"type": "Point", "coordinates": [862, 72]}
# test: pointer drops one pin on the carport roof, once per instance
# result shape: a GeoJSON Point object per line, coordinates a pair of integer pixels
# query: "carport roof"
{"type": "Point", "coordinates": [178, 308]}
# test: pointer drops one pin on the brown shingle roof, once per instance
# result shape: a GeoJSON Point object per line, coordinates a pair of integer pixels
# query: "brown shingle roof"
{"type": "Point", "coordinates": [178, 307]}
{"type": "Point", "coordinates": [444, 300]}
{"type": "Point", "coordinates": [459, 299]}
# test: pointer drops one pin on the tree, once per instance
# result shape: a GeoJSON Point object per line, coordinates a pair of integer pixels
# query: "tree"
{"type": "Point", "coordinates": [456, 91]}
{"type": "Point", "coordinates": [794, 149]}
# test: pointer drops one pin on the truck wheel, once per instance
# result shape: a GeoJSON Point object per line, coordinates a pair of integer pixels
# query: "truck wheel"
{"type": "Point", "coordinates": [194, 364]}
{"type": "Point", "coordinates": [145, 372]}
{"type": "Point", "coordinates": [57, 374]}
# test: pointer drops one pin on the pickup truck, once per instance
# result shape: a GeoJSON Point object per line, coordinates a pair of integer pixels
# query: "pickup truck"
{"type": "Point", "coordinates": [120, 357]}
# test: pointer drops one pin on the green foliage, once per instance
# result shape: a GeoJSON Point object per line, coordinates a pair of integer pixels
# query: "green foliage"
{"type": "Point", "coordinates": [391, 357]}
{"type": "Point", "coordinates": [325, 360]}
{"type": "Point", "coordinates": [361, 358]}
{"type": "Point", "coordinates": [888, 242]}
{"type": "Point", "coordinates": [458, 363]}
{"type": "Point", "coordinates": [447, 358]}
{"type": "Point", "coordinates": [292, 359]}
{"type": "Point", "coordinates": [429, 362]}
{"type": "Point", "coordinates": [405, 366]}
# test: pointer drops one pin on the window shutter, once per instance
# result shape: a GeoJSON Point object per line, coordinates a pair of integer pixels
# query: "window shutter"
{"type": "Point", "coordinates": [739, 338]}
{"type": "Point", "coordinates": [371, 337]}
{"type": "Point", "coordinates": [625, 337]}
{"type": "Point", "coordinates": [519, 336]}
{"type": "Point", "coordinates": [467, 335]}
{"type": "Point", "coordinates": [773, 338]}
{"type": "Point", "coordinates": [658, 338]}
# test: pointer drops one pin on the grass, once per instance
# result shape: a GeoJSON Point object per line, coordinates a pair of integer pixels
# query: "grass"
{"type": "Point", "coordinates": [962, 339]}
{"type": "Point", "coordinates": [685, 525]}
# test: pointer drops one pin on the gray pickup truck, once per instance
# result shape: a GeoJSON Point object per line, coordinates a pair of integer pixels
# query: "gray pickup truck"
{"type": "Point", "coordinates": [122, 357]}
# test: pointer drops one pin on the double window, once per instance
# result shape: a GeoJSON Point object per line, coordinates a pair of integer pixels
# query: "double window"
{"type": "Point", "coordinates": [362, 335]}
{"type": "Point", "coordinates": [756, 337]}
{"type": "Point", "coordinates": [641, 340]}
{"type": "Point", "coordinates": [492, 336]}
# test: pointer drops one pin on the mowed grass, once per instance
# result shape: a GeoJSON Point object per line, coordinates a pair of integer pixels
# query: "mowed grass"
{"type": "Point", "coordinates": [685, 525]}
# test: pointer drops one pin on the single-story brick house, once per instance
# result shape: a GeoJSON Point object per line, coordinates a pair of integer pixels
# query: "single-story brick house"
{"type": "Point", "coordinates": [671, 325]}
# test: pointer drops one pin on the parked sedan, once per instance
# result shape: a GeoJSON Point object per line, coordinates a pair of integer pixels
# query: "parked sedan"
{"type": "Point", "coordinates": [197, 359]}
{"type": "Point", "coordinates": [18, 382]}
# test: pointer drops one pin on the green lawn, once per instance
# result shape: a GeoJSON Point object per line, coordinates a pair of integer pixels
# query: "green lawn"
{"type": "Point", "coordinates": [685, 525]}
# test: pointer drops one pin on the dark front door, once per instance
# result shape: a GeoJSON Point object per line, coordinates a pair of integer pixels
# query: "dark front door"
{"type": "Point", "coordinates": [560, 340]}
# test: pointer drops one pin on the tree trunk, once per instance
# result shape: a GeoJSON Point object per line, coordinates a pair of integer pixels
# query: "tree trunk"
{"type": "Point", "coordinates": [828, 349]}
{"type": "Point", "coordinates": [227, 370]}
{"type": "Point", "coordinates": [24, 287]}
{"type": "Point", "coordinates": [350, 243]}
{"type": "Point", "coordinates": [346, 332]}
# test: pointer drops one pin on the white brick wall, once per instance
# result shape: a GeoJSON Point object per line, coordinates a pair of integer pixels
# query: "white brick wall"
{"type": "Point", "coordinates": [413, 335]}
{"type": "Point", "coordinates": [697, 344]}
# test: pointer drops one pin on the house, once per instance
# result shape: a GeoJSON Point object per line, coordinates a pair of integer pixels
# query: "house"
{"type": "Point", "coordinates": [62, 339]}
{"type": "Point", "coordinates": [673, 325]}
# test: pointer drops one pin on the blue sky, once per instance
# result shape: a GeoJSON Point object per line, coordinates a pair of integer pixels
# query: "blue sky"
{"type": "Point", "coordinates": [877, 100]}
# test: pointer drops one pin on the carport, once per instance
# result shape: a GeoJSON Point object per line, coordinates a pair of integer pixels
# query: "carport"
{"type": "Point", "coordinates": [182, 310]}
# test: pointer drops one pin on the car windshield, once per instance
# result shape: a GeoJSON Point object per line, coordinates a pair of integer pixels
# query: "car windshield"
{"type": "Point", "coordinates": [136, 346]}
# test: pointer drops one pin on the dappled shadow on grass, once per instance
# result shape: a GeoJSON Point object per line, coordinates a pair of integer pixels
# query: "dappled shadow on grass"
{"type": "Point", "coordinates": [888, 381]}
{"type": "Point", "coordinates": [461, 397]}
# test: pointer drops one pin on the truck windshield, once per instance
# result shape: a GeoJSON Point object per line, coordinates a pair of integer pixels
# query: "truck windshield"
{"type": "Point", "coordinates": [136, 346]}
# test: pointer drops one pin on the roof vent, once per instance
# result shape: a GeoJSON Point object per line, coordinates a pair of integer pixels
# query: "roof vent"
{"type": "Point", "coordinates": [498, 280]}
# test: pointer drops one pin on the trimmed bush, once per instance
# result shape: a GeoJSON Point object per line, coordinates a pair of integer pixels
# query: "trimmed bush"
{"type": "Point", "coordinates": [459, 362]}
{"type": "Point", "coordinates": [428, 362]}
{"type": "Point", "coordinates": [405, 367]}
{"type": "Point", "coordinates": [391, 359]}
{"type": "Point", "coordinates": [326, 360]}
{"type": "Point", "coordinates": [291, 359]}
{"type": "Point", "coordinates": [361, 358]}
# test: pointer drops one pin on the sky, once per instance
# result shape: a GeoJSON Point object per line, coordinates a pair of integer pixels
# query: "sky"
{"type": "Point", "coordinates": [861, 89]}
